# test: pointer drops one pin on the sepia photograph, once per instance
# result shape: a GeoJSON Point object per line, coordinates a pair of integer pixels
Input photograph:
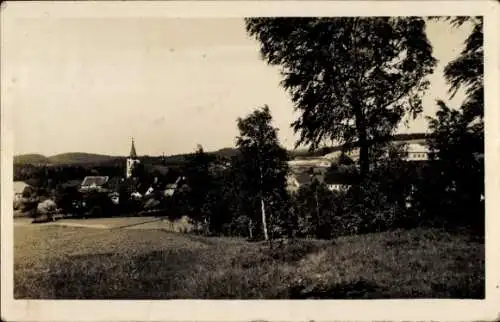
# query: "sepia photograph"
{"type": "Point", "coordinates": [266, 157]}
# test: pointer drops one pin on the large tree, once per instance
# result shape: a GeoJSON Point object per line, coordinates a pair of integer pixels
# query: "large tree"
{"type": "Point", "coordinates": [200, 183]}
{"type": "Point", "coordinates": [262, 168]}
{"type": "Point", "coordinates": [352, 79]}
{"type": "Point", "coordinates": [458, 133]}
{"type": "Point", "coordinates": [457, 145]}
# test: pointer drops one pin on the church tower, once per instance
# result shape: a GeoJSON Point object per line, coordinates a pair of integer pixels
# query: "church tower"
{"type": "Point", "coordinates": [132, 160]}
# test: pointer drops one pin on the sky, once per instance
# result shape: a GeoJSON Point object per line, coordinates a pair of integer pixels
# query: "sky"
{"type": "Point", "coordinates": [90, 85]}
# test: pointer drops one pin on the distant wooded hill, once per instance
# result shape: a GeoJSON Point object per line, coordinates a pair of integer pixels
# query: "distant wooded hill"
{"type": "Point", "coordinates": [81, 158]}
{"type": "Point", "coordinates": [64, 158]}
{"type": "Point", "coordinates": [90, 158]}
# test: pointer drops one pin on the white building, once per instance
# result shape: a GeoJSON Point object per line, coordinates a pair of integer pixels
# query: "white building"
{"type": "Point", "coordinates": [320, 163]}
{"type": "Point", "coordinates": [338, 186]}
{"type": "Point", "coordinates": [417, 152]}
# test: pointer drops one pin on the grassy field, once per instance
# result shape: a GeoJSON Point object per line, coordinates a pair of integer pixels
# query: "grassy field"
{"type": "Point", "coordinates": [82, 263]}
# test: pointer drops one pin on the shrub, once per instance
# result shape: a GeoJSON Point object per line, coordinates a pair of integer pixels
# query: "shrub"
{"type": "Point", "coordinates": [67, 198]}
{"type": "Point", "coordinates": [47, 206]}
{"type": "Point", "coordinates": [98, 204]}
{"type": "Point", "coordinates": [374, 205]}
{"type": "Point", "coordinates": [369, 209]}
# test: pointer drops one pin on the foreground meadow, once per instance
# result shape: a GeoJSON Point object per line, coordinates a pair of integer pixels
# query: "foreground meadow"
{"type": "Point", "coordinates": [83, 263]}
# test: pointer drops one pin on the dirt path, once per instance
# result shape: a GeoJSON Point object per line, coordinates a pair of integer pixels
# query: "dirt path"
{"type": "Point", "coordinates": [112, 223]}
{"type": "Point", "coordinates": [100, 223]}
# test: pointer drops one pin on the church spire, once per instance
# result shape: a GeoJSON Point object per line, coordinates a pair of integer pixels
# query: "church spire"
{"type": "Point", "coordinates": [133, 154]}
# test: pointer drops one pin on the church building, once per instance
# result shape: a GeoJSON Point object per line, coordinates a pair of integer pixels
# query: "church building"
{"type": "Point", "coordinates": [132, 160]}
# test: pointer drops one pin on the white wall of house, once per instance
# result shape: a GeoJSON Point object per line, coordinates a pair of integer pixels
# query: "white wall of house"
{"type": "Point", "coordinates": [323, 163]}
{"type": "Point", "coordinates": [338, 187]}
{"type": "Point", "coordinates": [417, 152]}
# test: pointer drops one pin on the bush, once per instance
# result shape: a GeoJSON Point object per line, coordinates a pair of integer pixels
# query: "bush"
{"type": "Point", "coordinates": [443, 197]}
{"type": "Point", "coordinates": [374, 205]}
{"type": "Point", "coordinates": [67, 198]}
{"type": "Point", "coordinates": [47, 206]}
{"type": "Point", "coordinates": [313, 209]}
{"type": "Point", "coordinates": [239, 226]}
{"type": "Point", "coordinates": [97, 204]}
{"type": "Point", "coordinates": [369, 209]}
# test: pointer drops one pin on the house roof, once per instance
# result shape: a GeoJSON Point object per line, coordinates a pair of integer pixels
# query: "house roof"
{"type": "Point", "coordinates": [19, 186]}
{"type": "Point", "coordinates": [94, 180]}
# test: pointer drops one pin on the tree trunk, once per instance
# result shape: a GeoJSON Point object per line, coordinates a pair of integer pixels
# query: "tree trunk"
{"type": "Point", "coordinates": [364, 159]}
{"type": "Point", "coordinates": [262, 206]}
{"type": "Point", "coordinates": [250, 229]}
{"type": "Point", "coordinates": [264, 224]}
{"type": "Point", "coordinates": [317, 212]}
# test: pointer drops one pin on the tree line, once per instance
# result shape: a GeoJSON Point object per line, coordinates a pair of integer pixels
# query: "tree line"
{"type": "Point", "coordinates": [354, 80]}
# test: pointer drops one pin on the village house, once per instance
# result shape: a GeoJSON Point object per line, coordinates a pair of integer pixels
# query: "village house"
{"type": "Point", "coordinates": [172, 188]}
{"type": "Point", "coordinates": [21, 188]}
{"type": "Point", "coordinates": [310, 162]}
{"type": "Point", "coordinates": [339, 181]}
{"type": "Point", "coordinates": [94, 183]}
{"type": "Point", "coordinates": [333, 181]}
{"type": "Point", "coordinates": [296, 180]}
{"type": "Point", "coordinates": [417, 152]}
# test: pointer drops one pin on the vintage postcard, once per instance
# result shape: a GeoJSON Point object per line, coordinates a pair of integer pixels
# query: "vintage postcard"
{"type": "Point", "coordinates": [241, 161]}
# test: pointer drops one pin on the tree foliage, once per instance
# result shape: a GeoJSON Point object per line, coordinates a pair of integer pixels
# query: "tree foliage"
{"type": "Point", "coordinates": [467, 70]}
{"type": "Point", "coordinates": [199, 182]}
{"type": "Point", "coordinates": [457, 147]}
{"type": "Point", "coordinates": [457, 140]}
{"type": "Point", "coordinates": [352, 79]}
{"type": "Point", "coordinates": [316, 209]}
{"type": "Point", "coordinates": [262, 169]}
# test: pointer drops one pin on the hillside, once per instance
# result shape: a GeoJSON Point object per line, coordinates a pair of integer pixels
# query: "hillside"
{"type": "Point", "coordinates": [80, 158]}
{"type": "Point", "coordinates": [89, 263]}
{"type": "Point", "coordinates": [63, 158]}
{"type": "Point", "coordinates": [226, 152]}
{"type": "Point", "coordinates": [31, 159]}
